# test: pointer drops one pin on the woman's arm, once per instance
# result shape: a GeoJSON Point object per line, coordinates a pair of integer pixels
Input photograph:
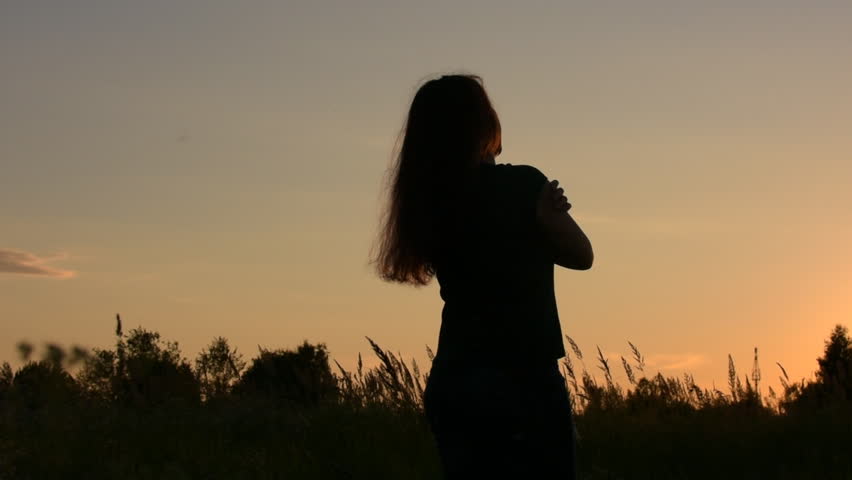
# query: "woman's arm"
{"type": "Point", "coordinates": [569, 246]}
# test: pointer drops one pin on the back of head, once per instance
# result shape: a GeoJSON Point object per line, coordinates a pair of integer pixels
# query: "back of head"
{"type": "Point", "coordinates": [451, 127]}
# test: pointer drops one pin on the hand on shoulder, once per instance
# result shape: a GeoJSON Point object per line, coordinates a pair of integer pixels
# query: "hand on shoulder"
{"type": "Point", "coordinates": [564, 239]}
{"type": "Point", "coordinates": [552, 200]}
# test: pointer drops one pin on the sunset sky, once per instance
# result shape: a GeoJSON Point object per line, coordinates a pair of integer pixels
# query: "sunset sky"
{"type": "Point", "coordinates": [214, 168]}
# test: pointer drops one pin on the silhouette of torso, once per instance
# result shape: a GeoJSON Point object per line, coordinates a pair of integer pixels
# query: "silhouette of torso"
{"type": "Point", "coordinates": [495, 278]}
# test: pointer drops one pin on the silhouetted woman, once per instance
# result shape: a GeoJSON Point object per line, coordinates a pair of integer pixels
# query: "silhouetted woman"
{"type": "Point", "coordinates": [490, 233]}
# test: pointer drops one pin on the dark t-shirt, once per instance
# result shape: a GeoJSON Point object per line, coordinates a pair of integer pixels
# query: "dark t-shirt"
{"type": "Point", "coordinates": [497, 279]}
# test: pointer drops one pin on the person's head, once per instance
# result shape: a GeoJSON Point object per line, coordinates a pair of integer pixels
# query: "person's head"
{"type": "Point", "coordinates": [451, 121]}
{"type": "Point", "coordinates": [451, 127]}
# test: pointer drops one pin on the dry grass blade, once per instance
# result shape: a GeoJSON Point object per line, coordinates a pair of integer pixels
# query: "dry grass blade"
{"type": "Point", "coordinates": [575, 348]}
{"type": "Point", "coordinates": [785, 380]}
{"type": "Point", "coordinates": [340, 367]}
{"type": "Point", "coordinates": [783, 370]}
{"type": "Point", "coordinates": [733, 381]}
{"type": "Point", "coordinates": [604, 366]}
{"type": "Point", "coordinates": [627, 369]}
{"type": "Point", "coordinates": [392, 382]}
{"type": "Point", "coordinates": [569, 367]}
{"type": "Point", "coordinates": [637, 357]}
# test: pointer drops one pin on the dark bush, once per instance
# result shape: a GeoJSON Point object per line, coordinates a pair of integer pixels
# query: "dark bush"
{"type": "Point", "coordinates": [302, 377]}
{"type": "Point", "coordinates": [40, 384]}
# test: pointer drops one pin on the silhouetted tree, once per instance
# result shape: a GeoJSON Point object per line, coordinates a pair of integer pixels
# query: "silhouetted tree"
{"type": "Point", "coordinates": [38, 384]}
{"type": "Point", "coordinates": [218, 368]}
{"type": "Point", "coordinates": [6, 377]}
{"type": "Point", "coordinates": [98, 375]}
{"type": "Point", "coordinates": [835, 366]}
{"type": "Point", "coordinates": [833, 384]}
{"type": "Point", "coordinates": [143, 371]}
{"type": "Point", "coordinates": [155, 372]}
{"type": "Point", "coordinates": [302, 377]}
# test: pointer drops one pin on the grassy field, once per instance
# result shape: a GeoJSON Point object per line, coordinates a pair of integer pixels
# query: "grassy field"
{"type": "Point", "coordinates": [141, 411]}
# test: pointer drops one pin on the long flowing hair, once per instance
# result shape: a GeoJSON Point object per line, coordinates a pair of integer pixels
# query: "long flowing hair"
{"type": "Point", "coordinates": [451, 127]}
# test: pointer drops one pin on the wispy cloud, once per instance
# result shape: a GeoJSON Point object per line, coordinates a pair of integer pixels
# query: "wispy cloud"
{"type": "Point", "coordinates": [675, 361]}
{"type": "Point", "coordinates": [24, 263]}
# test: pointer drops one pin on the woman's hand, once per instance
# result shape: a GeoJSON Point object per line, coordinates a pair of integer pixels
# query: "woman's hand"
{"type": "Point", "coordinates": [569, 246]}
{"type": "Point", "coordinates": [552, 203]}
{"type": "Point", "coordinates": [557, 197]}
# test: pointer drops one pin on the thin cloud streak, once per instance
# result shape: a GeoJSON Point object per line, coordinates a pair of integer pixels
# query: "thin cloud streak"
{"type": "Point", "coordinates": [24, 263]}
{"type": "Point", "coordinates": [675, 361]}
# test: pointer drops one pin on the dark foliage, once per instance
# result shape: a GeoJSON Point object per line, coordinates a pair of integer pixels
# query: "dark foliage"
{"type": "Point", "coordinates": [39, 385]}
{"type": "Point", "coordinates": [218, 368]}
{"type": "Point", "coordinates": [143, 372]}
{"type": "Point", "coordinates": [140, 411]}
{"type": "Point", "coordinates": [832, 389]}
{"type": "Point", "coordinates": [301, 377]}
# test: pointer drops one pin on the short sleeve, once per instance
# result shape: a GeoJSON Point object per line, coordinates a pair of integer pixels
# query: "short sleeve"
{"type": "Point", "coordinates": [528, 182]}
